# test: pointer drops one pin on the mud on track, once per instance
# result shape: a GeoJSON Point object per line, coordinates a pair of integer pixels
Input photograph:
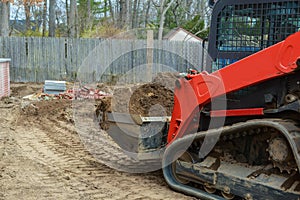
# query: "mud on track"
{"type": "Point", "coordinates": [42, 157]}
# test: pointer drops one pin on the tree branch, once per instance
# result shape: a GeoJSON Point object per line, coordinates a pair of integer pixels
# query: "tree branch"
{"type": "Point", "coordinates": [162, 19]}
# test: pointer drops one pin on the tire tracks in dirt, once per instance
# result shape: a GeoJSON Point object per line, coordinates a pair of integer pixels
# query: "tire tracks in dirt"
{"type": "Point", "coordinates": [56, 165]}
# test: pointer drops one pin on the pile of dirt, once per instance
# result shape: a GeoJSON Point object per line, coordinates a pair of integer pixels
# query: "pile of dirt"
{"type": "Point", "coordinates": [152, 100]}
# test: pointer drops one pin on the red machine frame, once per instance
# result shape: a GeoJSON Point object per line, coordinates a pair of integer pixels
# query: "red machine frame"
{"type": "Point", "coordinates": [269, 63]}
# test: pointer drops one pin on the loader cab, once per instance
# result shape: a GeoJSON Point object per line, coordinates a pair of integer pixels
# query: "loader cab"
{"type": "Point", "coordinates": [241, 28]}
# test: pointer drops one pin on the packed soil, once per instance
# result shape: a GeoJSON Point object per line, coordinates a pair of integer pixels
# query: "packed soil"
{"type": "Point", "coordinates": [43, 157]}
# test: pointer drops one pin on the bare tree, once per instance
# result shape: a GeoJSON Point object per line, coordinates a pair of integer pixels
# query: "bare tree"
{"type": "Point", "coordinates": [112, 14]}
{"type": "Point", "coordinates": [72, 19]}
{"type": "Point", "coordinates": [4, 20]}
{"type": "Point", "coordinates": [163, 10]}
{"type": "Point", "coordinates": [32, 12]}
{"type": "Point", "coordinates": [52, 5]}
{"type": "Point", "coordinates": [205, 12]}
{"type": "Point", "coordinates": [147, 13]}
{"type": "Point", "coordinates": [89, 21]}
{"type": "Point", "coordinates": [105, 6]}
{"type": "Point", "coordinates": [128, 21]}
{"type": "Point", "coordinates": [44, 18]}
{"type": "Point", "coordinates": [135, 13]}
{"type": "Point", "coordinates": [123, 13]}
{"type": "Point", "coordinates": [27, 6]}
{"type": "Point", "coordinates": [68, 17]}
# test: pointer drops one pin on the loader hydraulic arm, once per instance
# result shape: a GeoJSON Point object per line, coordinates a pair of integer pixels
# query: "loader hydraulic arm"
{"type": "Point", "coordinates": [195, 91]}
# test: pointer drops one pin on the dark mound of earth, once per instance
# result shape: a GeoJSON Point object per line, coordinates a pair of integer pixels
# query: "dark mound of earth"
{"type": "Point", "coordinates": [152, 100]}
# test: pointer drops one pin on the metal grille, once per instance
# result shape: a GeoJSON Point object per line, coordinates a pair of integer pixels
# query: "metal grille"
{"type": "Point", "coordinates": [248, 28]}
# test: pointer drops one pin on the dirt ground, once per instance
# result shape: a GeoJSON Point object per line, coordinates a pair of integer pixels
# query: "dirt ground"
{"type": "Point", "coordinates": [42, 157]}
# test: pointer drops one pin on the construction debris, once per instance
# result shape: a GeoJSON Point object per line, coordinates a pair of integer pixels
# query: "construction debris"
{"type": "Point", "coordinates": [71, 94]}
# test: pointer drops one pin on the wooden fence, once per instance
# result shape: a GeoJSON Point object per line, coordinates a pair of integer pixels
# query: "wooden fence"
{"type": "Point", "coordinates": [39, 59]}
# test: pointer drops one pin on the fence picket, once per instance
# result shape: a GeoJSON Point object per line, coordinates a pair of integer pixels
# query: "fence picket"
{"type": "Point", "coordinates": [39, 59]}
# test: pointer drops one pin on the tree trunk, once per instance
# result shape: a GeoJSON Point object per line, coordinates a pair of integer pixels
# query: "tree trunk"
{"type": "Point", "coordinates": [44, 18]}
{"type": "Point", "coordinates": [204, 13]}
{"type": "Point", "coordinates": [68, 18]}
{"type": "Point", "coordinates": [111, 10]}
{"type": "Point", "coordinates": [135, 14]}
{"type": "Point", "coordinates": [189, 9]}
{"type": "Point", "coordinates": [52, 5]}
{"type": "Point", "coordinates": [76, 21]}
{"type": "Point", "coordinates": [4, 21]}
{"type": "Point", "coordinates": [123, 13]}
{"type": "Point", "coordinates": [176, 17]}
{"type": "Point", "coordinates": [162, 17]}
{"type": "Point", "coordinates": [27, 14]}
{"type": "Point", "coordinates": [72, 19]}
{"type": "Point", "coordinates": [89, 23]}
{"type": "Point", "coordinates": [105, 7]}
{"type": "Point", "coordinates": [147, 12]}
{"type": "Point", "coordinates": [128, 21]}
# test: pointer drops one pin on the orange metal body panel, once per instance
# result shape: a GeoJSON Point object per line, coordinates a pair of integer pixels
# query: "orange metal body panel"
{"type": "Point", "coordinates": [195, 91]}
